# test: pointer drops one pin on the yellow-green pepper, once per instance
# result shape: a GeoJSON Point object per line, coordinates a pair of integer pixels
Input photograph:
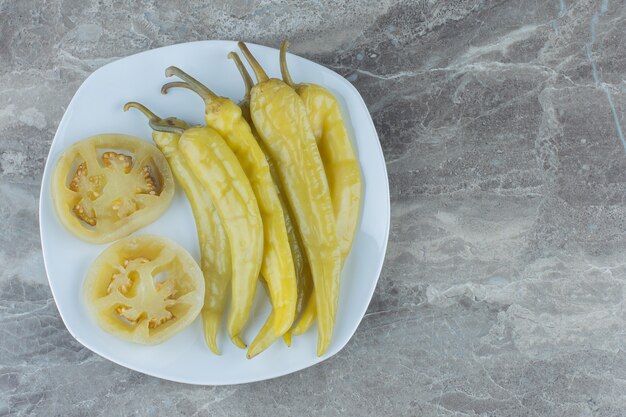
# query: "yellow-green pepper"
{"type": "Point", "coordinates": [303, 273]}
{"type": "Point", "coordinates": [215, 260]}
{"type": "Point", "coordinates": [340, 164]}
{"type": "Point", "coordinates": [281, 121]}
{"type": "Point", "coordinates": [277, 268]}
{"type": "Point", "coordinates": [216, 167]}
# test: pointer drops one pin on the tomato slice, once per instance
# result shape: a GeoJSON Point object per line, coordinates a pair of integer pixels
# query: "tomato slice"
{"type": "Point", "coordinates": [144, 289]}
{"type": "Point", "coordinates": [107, 186]}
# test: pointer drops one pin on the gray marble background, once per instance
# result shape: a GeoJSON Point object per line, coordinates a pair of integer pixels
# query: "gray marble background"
{"type": "Point", "coordinates": [502, 126]}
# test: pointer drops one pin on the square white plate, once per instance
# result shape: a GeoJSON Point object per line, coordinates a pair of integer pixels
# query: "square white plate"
{"type": "Point", "coordinates": [97, 108]}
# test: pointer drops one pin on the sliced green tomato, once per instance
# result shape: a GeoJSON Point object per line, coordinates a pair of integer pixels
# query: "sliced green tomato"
{"type": "Point", "coordinates": [107, 186]}
{"type": "Point", "coordinates": [144, 289]}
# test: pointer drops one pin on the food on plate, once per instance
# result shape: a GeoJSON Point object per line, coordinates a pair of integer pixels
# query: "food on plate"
{"type": "Point", "coordinates": [280, 118]}
{"type": "Point", "coordinates": [215, 259]}
{"type": "Point", "coordinates": [216, 167]}
{"type": "Point", "coordinates": [107, 186]}
{"type": "Point", "coordinates": [275, 189]}
{"type": "Point", "coordinates": [340, 164]}
{"type": "Point", "coordinates": [277, 268]}
{"type": "Point", "coordinates": [304, 281]}
{"type": "Point", "coordinates": [144, 289]}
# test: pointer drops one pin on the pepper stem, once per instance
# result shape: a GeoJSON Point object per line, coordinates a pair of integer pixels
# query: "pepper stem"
{"type": "Point", "coordinates": [193, 84]}
{"type": "Point", "coordinates": [261, 76]}
{"type": "Point", "coordinates": [171, 125]}
{"type": "Point", "coordinates": [175, 84]}
{"type": "Point", "coordinates": [247, 80]}
{"type": "Point", "coordinates": [284, 71]}
{"type": "Point", "coordinates": [149, 114]}
{"type": "Point", "coordinates": [166, 126]}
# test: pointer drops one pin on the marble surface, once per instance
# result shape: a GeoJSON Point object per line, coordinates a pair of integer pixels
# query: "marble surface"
{"type": "Point", "coordinates": [502, 126]}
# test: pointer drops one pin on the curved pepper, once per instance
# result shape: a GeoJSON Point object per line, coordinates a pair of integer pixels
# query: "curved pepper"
{"type": "Point", "coordinates": [303, 273]}
{"type": "Point", "coordinates": [277, 268]}
{"type": "Point", "coordinates": [215, 259]}
{"type": "Point", "coordinates": [281, 121]}
{"type": "Point", "coordinates": [216, 167]}
{"type": "Point", "coordinates": [340, 164]}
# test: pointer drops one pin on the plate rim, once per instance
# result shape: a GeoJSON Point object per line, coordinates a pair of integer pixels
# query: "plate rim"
{"type": "Point", "coordinates": [244, 380]}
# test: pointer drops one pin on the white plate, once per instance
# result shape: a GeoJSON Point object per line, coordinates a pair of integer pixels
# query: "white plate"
{"type": "Point", "coordinates": [97, 108]}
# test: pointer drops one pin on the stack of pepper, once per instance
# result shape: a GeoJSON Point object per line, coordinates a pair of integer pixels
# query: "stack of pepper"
{"type": "Point", "coordinates": [275, 189]}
